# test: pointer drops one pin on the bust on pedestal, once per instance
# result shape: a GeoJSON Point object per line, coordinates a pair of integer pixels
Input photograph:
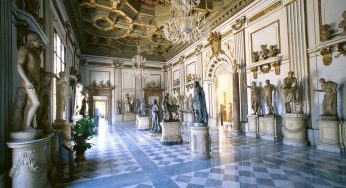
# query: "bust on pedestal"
{"type": "Point", "coordinates": [294, 123]}
{"type": "Point", "coordinates": [329, 122]}
{"type": "Point", "coordinates": [200, 138]}
{"type": "Point", "coordinates": [171, 133]}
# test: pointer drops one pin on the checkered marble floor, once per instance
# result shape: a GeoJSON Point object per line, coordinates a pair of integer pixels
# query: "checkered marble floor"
{"type": "Point", "coordinates": [125, 157]}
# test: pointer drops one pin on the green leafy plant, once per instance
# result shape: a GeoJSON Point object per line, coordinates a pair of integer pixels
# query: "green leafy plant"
{"type": "Point", "coordinates": [82, 132]}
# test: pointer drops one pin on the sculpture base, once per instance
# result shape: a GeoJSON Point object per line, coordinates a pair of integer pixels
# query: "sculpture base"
{"type": "Point", "coordinates": [59, 124]}
{"type": "Point", "coordinates": [142, 123]}
{"type": "Point", "coordinates": [200, 142]}
{"type": "Point", "coordinates": [76, 118]}
{"type": "Point", "coordinates": [129, 117]}
{"type": "Point", "coordinates": [171, 133]}
{"type": "Point", "coordinates": [268, 129]}
{"type": "Point", "coordinates": [329, 135]}
{"type": "Point", "coordinates": [295, 130]}
{"type": "Point", "coordinates": [31, 134]}
{"type": "Point", "coordinates": [252, 130]}
{"type": "Point", "coordinates": [118, 118]}
{"type": "Point", "coordinates": [30, 163]}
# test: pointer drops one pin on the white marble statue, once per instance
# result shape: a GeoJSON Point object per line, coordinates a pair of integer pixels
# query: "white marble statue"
{"type": "Point", "coordinates": [78, 99]}
{"type": "Point", "coordinates": [128, 103]}
{"type": "Point", "coordinates": [61, 96]}
{"type": "Point", "coordinates": [329, 104]}
{"type": "Point", "coordinates": [255, 97]}
{"type": "Point", "coordinates": [289, 90]}
{"type": "Point", "coordinates": [268, 96]}
{"type": "Point", "coordinates": [28, 65]}
{"type": "Point", "coordinates": [189, 104]}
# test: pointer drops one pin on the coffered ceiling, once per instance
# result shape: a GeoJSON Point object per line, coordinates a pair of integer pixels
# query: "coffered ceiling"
{"type": "Point", "coordinates": [115, 27]}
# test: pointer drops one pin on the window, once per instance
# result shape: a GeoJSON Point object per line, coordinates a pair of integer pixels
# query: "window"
{"type": "Point", "coordinates": [59, 65]}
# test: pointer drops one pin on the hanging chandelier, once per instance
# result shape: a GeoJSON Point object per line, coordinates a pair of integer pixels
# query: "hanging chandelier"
{"type": "Point", "coordinates": [184, 26]}
{"type": "Point", "coordinates": [138, 64]}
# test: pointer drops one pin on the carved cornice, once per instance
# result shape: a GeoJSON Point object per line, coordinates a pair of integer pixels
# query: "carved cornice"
{"type": "Point", "coordinates": [264, 12]}
{"type": "Point", "coordinates": [239, 23]}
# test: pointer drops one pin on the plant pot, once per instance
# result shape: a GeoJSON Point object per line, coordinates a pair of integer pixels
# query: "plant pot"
{"type": "Point", "coordinates": [80, 156]}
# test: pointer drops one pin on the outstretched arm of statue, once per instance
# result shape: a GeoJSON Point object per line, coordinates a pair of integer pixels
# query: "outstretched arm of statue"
{"type": "Point", "coordinates": [21, 60]}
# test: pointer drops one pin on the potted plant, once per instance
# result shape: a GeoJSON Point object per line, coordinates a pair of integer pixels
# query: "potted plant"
{"type": "Point", "coordinates": [82, 132]}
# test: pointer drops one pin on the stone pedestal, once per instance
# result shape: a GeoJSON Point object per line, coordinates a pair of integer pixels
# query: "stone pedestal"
{"type": "Point", "coordinates": [54, 171]}
{"type": "Point", "coordinates": [200, 142]}
{"type": "Point", "coordinates": [187, 118]}
{"type": "Point", "coordinates": [295, 130]}
{"type": "Point", "coordinates": [118, 118]}
{"type": "Point", "coordinates": [171, 133]}
{"type": "Point", "coordinates": [343, 131]}
{"type": "Point", "coordinates": [252, 126]}
{"type": "Point", "coordinates": [129, 117]}
{"type": "Point", "coordinates": [268, 129]}
{"type": "Point", "coordinates": [59, 124]}
{"type": "Point", "coordinates": [30, 163]}
{"type": "Point", "coordinates": [330, 135]}
{"type": "Point", "coordinates": [142, 123]}
{"type": "Point", "coordinates": [76, 118]}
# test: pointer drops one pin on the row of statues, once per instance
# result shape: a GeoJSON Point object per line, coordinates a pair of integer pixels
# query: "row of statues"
{"type": "Point", "coordinates": [265, 53]}
{"type": "Point", "coordinates": [101, 83]}
{"type": "Point", "coordinates": [290, 93]}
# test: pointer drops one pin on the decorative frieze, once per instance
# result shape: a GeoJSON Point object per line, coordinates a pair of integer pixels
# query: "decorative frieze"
{"type": "Point", "coordinates": [264, 12]}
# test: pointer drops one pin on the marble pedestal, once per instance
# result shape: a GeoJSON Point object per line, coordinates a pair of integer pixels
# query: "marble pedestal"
{"type": "Point", "coordinates": [330, 135]}
{"type": "Point", "coordinates": [129, 117]}
{"type": "Point", "coordinates": [200, 142]}
{"type": "Point", "coordinates": [187, 118]}
{"type": "Point", "coordinates": [268, 129]}
{"type": "Point", "coordinates": [171, 133]}
{"type": "Point", "coordinates": [142, 123]}
{"type": "Point", "coordinates": [252, 130]}
{"type": "Point", "coordinates": [76, 118]}
{"type": "Point", "coordinates": [30, 163]}
{"type": "Point", "coordinates": [295, 130]}
{"type": "Point", "coordinates": [118, 118]}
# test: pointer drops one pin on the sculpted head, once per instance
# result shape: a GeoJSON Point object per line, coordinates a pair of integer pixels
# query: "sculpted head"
{"type": "Point", "coordinates": [62, 74]}
{"type": "Point", "coordinates": [197, 84]}
{"type": "Point", "coordinates": [322, 80]}
{"type": "Point", "coordinates": [253, 83]}
{"type": "Point", "coordinates": [154, 101]}
{"type": "Point", "coordinates": [267, 81]}
{"type": "Point", "coordinates": [290, 74]}
{"type": "Point", "coordinates": [32, 39]}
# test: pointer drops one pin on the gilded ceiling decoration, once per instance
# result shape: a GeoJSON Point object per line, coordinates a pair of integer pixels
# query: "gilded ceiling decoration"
{"type": "Point", "coordinates": [114, 27]}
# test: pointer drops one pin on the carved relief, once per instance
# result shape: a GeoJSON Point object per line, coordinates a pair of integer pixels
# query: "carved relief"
{"type": "Point", "coordinates": [325, 32]}
{"type": "Point", "coordinates": [341, 49]}
{"type": "Point", "coordinates": [239, 23]}
{"type": "Point", "coordinates": [342, 24]}
{"type": "Point", "coordinates": [265, 68]}
{"type": "Point", "coordinates": [327, 56]}
{"type": "Point", "coordinates": [254, 72]}
{"type": "Point", "coordinates": [26, 160]}
{"type": "Point", "coordinates": [215, 43]}
{"type": "Point", "coordinates": [198, 48]}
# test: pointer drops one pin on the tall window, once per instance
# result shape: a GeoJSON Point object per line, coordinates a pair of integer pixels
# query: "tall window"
{"type": "Point", "coordinates": [59, 65]}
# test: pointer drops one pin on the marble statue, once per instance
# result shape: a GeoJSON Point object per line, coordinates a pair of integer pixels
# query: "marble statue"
{"type": "Point", "coordinates": [254, 57]}
{"type": "Point", "coordinates": [199, 104]}
{"type": "Point", "coordinates": [289, 90]}
{"type": "Point", "coordinates": [255, 97]}
{"type": "Point", "coordinates": [268, 96]}
{"type": "Point", "coordinates": [61, 96]}
{"type": "Point", "coordinates": [342, 24]}
{"type": "Point", "coordinates": [42, 116]}
{"type": "Point", "coordinates": [155, 125]}
{"type": "Point", "coordinates": [28, 65]}
{"type": "Point", "coordinates": [93, 83]}
{"type": "Point", "coordinates": [273, 51]}
{"type": "Point", "coordinates": [108, 83]}
{"type": "Point", "coordinates": [83, 110]}
{"type": "Point", "coordinates": [101, 84]}
{"type": "Point", "coordinates": [138, 105]}
{"type": "Point", "coordinates": [263, 54]}
{"type": "Point", "coordinates": [167, 114]}
{"type": "Point", "coordinates": [180, 99]}
{"type": "Point", "coordinates": [143, 111]}
{"type": "Point", "coordinates": [118, 106]}
{"type": "Point", "coordinates": [189, 103]}
{"type": "Point", "coordinates": [128, 103]}
{"type": "Point", "coordinates": [78, 99]}
{"type": "Point", "coordinates": [329, 104]}
{"type": "Point", "coordinates": [90, 103]}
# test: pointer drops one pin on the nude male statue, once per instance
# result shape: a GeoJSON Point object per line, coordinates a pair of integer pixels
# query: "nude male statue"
{"type": "Point", "coordinates": [28, 66]}
{"type": "Point", "coordinates": [268, 96]}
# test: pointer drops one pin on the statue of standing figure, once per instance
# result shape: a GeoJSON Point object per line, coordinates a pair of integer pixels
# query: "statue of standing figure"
{"type": "Point", "coordinates": [199, 104]}
{"type": "Point", "coordinates": [268, 96]}
{"type": "Point", "coordinates": [329, 104]}
{"type": "Point", "coordinates": [289, 90]}
{"type": "Point", "coordinates": [255, 96]}
{"type": "Point", "coordinates": [28, 65]}
{"type": "Point", "coordinates": [118, 106]}
{"type": "Point", "coordinates": [167, 114]}
{"type": "Point", "coordinates": [155, 125]}
{"type": "Point", "coordinates": [128, 103]}
{"type": "Point", "coordinates": [61, 96]}
{"type": "Point", "coordinates": [143, 111]}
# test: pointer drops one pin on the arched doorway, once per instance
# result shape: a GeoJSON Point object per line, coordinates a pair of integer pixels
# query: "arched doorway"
{"type": "Point", "coordinates": [218, 88]}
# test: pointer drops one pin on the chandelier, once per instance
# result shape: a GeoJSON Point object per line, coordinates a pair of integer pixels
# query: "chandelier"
{"type": "Point", "coordinates": [138, 64]}
{"type": "Point", "coordinates": [184, 26]}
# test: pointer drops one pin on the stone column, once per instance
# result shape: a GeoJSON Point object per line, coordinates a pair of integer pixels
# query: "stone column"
{"type": "Point", "coordinates": [30, 163]}
{"type": "Point", "coordinates": [236, 129]}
